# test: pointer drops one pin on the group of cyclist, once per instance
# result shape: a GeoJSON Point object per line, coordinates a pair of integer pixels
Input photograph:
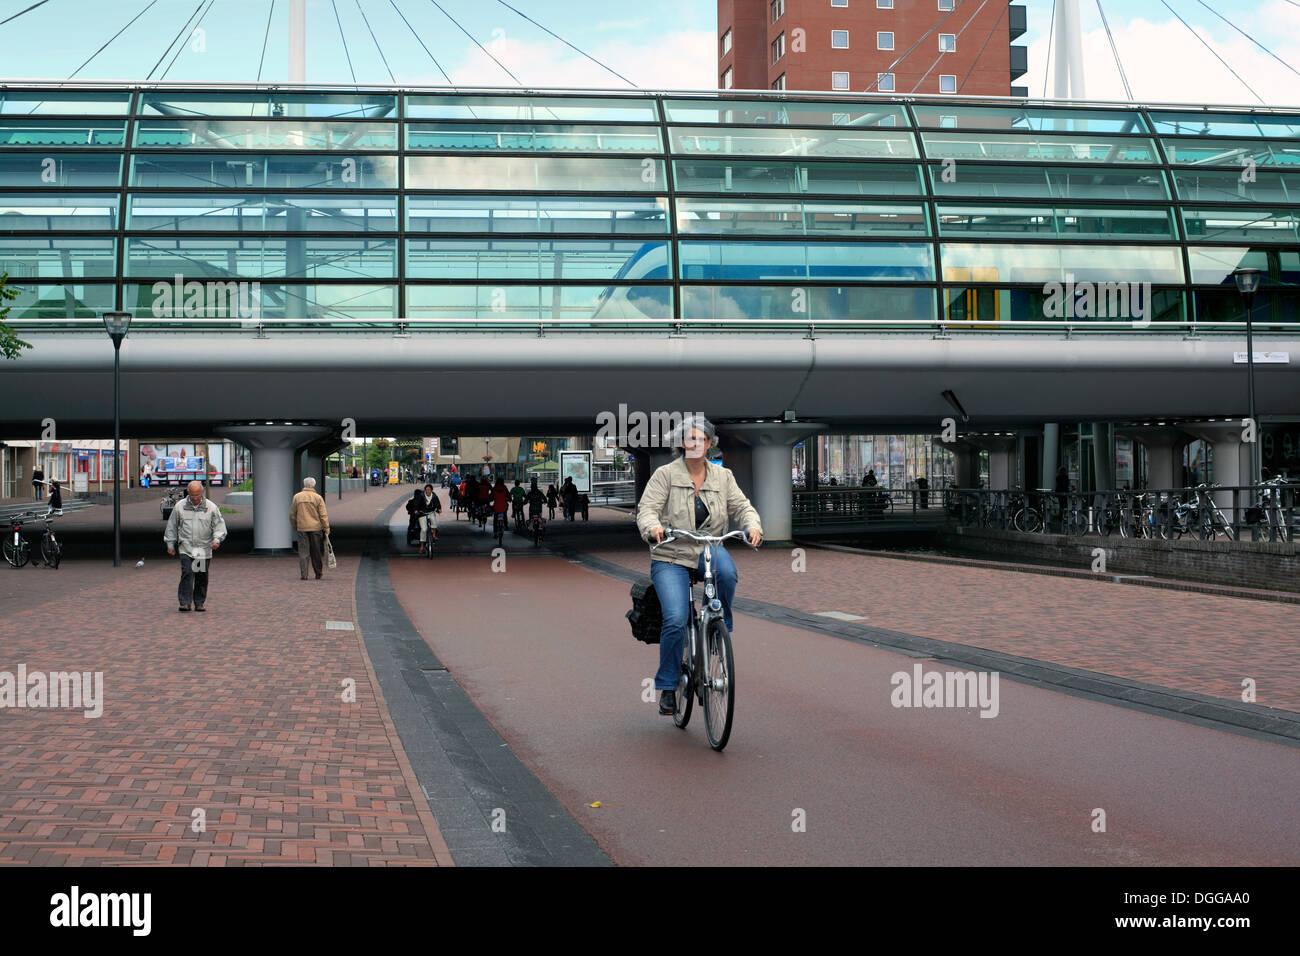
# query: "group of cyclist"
{"type": "Point", "coordinates": [483, 499]}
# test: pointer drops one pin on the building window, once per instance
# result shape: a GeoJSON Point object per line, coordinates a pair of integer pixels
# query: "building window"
{"type": "Point", "coordinates": [839, 81]}
{"type": "Point", "coordinates": [778, 8]}
{"type": "Point", "coordinates": [884, 41]}
{"type": "Point", "coordinates": [778, 48]}
{"type": "Point", "coordinates": [947, 84]}
{"type": "Point", "coordinates": [726, 78]}
{"type": "Point", "coordinates": [885, 82]}
{"type": "Point", "coordinates": [726, 43]}
{"type": "Point", "coordinates": [945, 4]}
{"type": "Point", "coordinates": [779, 82]}
{"type": "Point", "coordinates": [880, 4]}
{"type": "Point", "coordinates": [839, 39]}
{"type": "Point", "coordinates": [839, 3]}
{"type": "Point", "coordinates": [947, 43]}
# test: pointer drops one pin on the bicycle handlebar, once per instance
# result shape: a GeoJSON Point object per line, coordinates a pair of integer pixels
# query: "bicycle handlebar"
{"type": "Point", "coordinates": [671, 533]}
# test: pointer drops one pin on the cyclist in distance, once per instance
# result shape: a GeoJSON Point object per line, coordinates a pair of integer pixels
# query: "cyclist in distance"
{"type": "Point", "coordinates": [692, 493]}
{"type": "Point", "coordinates": [501, 501]}
{"type": "Point", "coordinates": [517, 496]}
{"type": "Point", "coordinates": [536, 501]}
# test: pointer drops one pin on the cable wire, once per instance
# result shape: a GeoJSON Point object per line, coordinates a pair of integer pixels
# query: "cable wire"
{"type": "Point", "coordinates": [1212, 50]}
{"type": "Point", "coordinates": [426, 49]}
{"type": "Point", "coordinates": [1115, 53]}
{"type": "Point", "coordinates": [179, 34]}
{"type": "Point", "coordinates": [112, 38]}
{"type": "Point", "coordinates": [961, 86]}
{"type": "Point", "coordinates": [1248, 36]}
{"type": "Point", "coordinates": [377, 46]}
{"type": "Point", "coordinates": [211, 4]}
{"type": "Point", "coordinates": [265, 37]}
{"type": "Point", "coordinates": [571, 46]}
{"type": "Point", "coordinates": [21, 12]}
{"type": "Point", "coordinates": [906, 53]}
{"type": "Point", "coordinates": [343, 37]}
{"type": "Point", "coordinates": [476, 43]}
{"type": "Point", "coordinates": [943, 53]}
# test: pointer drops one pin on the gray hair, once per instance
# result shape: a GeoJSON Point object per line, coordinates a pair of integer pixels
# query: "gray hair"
{"type": "Point", "coordinates": [696, 422]}
{"type": "Point", "coordinates": [309, 482]}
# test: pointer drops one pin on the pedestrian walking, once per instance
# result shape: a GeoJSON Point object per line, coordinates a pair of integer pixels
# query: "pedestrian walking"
{"type": "Point", "coordinates": [552, 499]}
{"type": "Point", "coordinates": [195, 529]}
{"type": "Point", "coordinates": [38, 482]}
{"type": "Point", "coordinates": [569, 494]}
{"type": "Point", "coordinates": [309, 518]}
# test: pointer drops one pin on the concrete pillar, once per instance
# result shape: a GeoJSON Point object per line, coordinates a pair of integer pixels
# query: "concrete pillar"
{"type": "Point", "coordinates": [737, 455]}
{"type": "Point", "coordinates": [1051, 455]}
{"type": "Point", "coordinates": [1164, 445]}
{"type": "Point", "coordinates": [1001, 449]}
{"type": "Point", "coordinates": [965, 461]}
{"type": "Point", "coordinates": [274, 450]}
{"type": "Point", "coordinates": [1103, 456]}
{"type": "Point", "coordinates": [770, 458]}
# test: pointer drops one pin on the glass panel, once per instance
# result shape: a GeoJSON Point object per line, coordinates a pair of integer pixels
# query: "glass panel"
{"type": "Point", "coordinates": [215, 299]}
{"type": "Point", "coordinates": [234, 213]}
{"type": "Point", "coordinates": [1059, 182]}
{"type": "Point", "coordinates": [530, 303]}
{"type": "Point", "coordinates": [57, 257]}
{"type": "Point", "coordinates": [15, 132]}
{"type": "Point", "coordinates": [1243, 225]}
{"type": "Point", "coordinates": [257, 134]}
{"type": "Point", "coordinates": [1037, 119]}
{"type": "Point", "coordinates": [855, 179]}
{"type": "Point", "coordinates": [263, 258]}
{"type": "Point", "coordinates": [1210, 185]}
{"type": "Point", "coordinates": [270, 103]}
{"type": "Point", "coordinates": [797, 217]}
{"type": "Point", "coordinates": [474, 260]}
{"type": "Point", "coordinates": [1039, 147]}
{"type": "Point", "coordinates": [1270, 307]}
{"type": "Point", "coordinates": [528, 107]}
{"type": "Point", "coordinates": [1169, 123]}
{"type": "Point", "coordinates": [862, 262]}
{"type": "Point", "coordinates": [1214, 266]}
{"type": "Point", "coordinates": [80, 103]}
{"type": "Point", "coordinates": [987, 304]}
{"type": "Point", "coordinates": [757, 302]}
{"type": "Point", "coordinates": [1227, 152]}
{"type": "Point", "coordinates": [1035, 263]}
{"type": "Point", "coordinates": [225, 171]}
{"type": "Point", "coordinates": [57, 212]}
{"type": "Point", "coordinates": [533, 137]}
{"type": "Point", "coordinates": [781, 113]}
{"type": "Point", "coordinates": [41, 301]}
{"type": "Point", "coordinates": [62, 170]}
{"type": "Point", "coordinates": [514, 214]}
{"type": "Point", "coordinates": [529, 173]}
{"type": "Point", "coordinates": [1089, 222]}
{"type": "Point", "coordinates": [859, 143]}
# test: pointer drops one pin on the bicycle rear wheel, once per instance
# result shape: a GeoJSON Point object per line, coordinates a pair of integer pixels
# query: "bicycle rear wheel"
{"type": "Point", "coordinates": [685, 698]}
{"type": "Point", "coordinates": [51, 551]}
{"type": "Point", "coordinates": [719, 684]}
{"type": "Point", "coordinates": [16, 554]}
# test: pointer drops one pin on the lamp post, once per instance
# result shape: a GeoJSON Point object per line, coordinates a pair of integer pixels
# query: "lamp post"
{"type": "Point", "coordinates": [117, 324]}
{"type": "Point", "coordinates": [1248, 284]}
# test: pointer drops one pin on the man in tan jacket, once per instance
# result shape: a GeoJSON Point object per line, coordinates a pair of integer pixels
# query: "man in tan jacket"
{"type": "Point", "coordinates": [308, 516]}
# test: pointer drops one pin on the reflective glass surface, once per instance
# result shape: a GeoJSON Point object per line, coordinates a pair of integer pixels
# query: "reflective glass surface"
{"type": "Point", "coordinates": [1253, 225]}
{"type": "Point", "coordinates": [1040, 148]}
{"type": "Point", "coordinates": [1228, 152]}
{"type": "Point", "coordinates": [14, 102]}
{"type": "Point", "coordinates": [59, 134]}
{"type": "Point", "coordinates": [1086, 222]}
{"type": "Point", "coordinates": [1193, 123]}
{"type": "Point", "coordinates": [58, 211]}
{"type": "Point", "coordinates": [224, 171]}
{"type": "Point", "coordinates": [1029, 118]}
{"type": "Point", "coordinates": [532, 137]}
{"type": "Point", "coordinates": [535, 173]}
{"type": "Point", "coordinates": [209, 299]}
{"type": "Point", "coordinates": [849, 143]}
{"type": "Point", "coordinates": [530, 303]}
{"type": "Point", "coordinates": [474, 260]}
{"type": "Point", "coordinates": [1048, 182]}
{"type": "Point", "coordinates": [1038, 263]}
{"type": "Point", "coordinates": [36, 257]}
{"type": "Point", "coordinates": [276, 104]}
{"type": "Point", "coordinates": [222, 212]}
{"type": "Point", "coordinates": [785, 113]}
{"type": "Point", "coordinates": [263, 258]}
{"type": "Point", "coordinates": [60, 170]}
{"type": "Point", "coordinates": [545, 214]}
{"type": "Point", "coordinates": [1221, 185]}
{"type": "Point", "coordinates": [39, 300]}
{"type": "Point", "coordinates": [757, 261]}
{"type": "Point", "coordinates": [532, 107]}
{"type": "Point", "coordinates": [756, 302]}
{"type": "Point", "coordinates": [796, 217]}
{"type": "Point", "coordinates": [746, 176]}
{"type": "Point", "coordinates": [258, 134]}
{"type": "Point", "coordinates": [1214, 265]}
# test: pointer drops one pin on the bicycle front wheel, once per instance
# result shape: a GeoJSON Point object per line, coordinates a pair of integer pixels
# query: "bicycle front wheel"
{"type": "Point", "coordinates": [685, 696]}
{"type": "Point", "coordinates": [16, 554]}
{"type": "Point", "coordinates": [719, 684]}
{"type": "Point", "coordinates": [51, 551]}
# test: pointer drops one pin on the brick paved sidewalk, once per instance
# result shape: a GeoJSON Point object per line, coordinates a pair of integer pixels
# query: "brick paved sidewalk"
{"type": "Point", "coordinates": [1186, 641]}
{"type": "Point", "coordinates": [236, 711]}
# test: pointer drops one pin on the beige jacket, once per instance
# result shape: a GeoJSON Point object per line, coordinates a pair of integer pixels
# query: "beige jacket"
{"type": "Point", "coordinates": [669, 500]}
{"type": "Point", "coordinates": [307, 513]}
{"type": "Point", "coordinates": [191, 530]}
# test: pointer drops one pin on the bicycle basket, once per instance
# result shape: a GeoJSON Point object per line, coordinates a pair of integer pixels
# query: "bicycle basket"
{"type": "Point", "coordinates": [646, 616]}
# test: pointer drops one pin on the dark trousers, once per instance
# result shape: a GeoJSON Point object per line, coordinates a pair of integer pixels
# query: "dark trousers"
{"type": "Point", "coordinates": [310, 545]}
{"type": "Point", "coordinates": [194, 583]}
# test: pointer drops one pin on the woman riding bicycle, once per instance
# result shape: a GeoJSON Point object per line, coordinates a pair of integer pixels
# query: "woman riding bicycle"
{"type": "Point", "coordinates": [690, 493]}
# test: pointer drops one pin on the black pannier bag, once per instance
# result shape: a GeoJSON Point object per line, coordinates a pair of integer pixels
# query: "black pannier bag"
{"type": "Point", "coordinates": [646, 616]}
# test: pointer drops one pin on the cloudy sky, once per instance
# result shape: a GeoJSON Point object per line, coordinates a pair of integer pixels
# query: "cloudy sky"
{"type": "Point", "coordinates": [660, 44]}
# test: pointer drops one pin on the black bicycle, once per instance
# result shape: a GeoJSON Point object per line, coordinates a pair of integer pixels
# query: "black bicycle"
{"type": "Point", "coordinates": [499, 527]}
{"type": "Point", "coordinates": [16, 550]}
{"type": "Point", "coordinates": [708, 669]}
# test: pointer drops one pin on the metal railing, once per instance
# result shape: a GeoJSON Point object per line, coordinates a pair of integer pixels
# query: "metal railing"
{"type": "Point", "coordinates": [859, 506]}
{"type": "Point", "coordinates": [1269, 512]}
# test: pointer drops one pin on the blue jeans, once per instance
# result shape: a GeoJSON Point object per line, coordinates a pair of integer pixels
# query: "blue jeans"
{"type": "Point", "coordinates": [672, 584]}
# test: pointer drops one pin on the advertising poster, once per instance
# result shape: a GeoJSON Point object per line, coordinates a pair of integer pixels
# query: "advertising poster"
{"type": "Point", "coordinates": [393, 475]}
{"type": "Point", "coordinates": [577, 465]}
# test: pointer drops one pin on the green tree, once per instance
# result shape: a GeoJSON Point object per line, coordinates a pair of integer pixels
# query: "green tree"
{"type": "Point", "coordinates": [10, 343]}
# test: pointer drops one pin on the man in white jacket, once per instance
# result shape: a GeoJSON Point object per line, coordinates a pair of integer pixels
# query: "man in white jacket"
{"type": "Point", "coordinates": [196, 529]}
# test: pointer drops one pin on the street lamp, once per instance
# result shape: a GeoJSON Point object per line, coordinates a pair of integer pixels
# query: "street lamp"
{"type": "Point", "coordinates": [1248, 284]}
{"type": "Point", "coordinates": [117, 324]}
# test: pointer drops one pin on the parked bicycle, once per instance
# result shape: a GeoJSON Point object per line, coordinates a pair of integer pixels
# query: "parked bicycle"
{"type": "Point", "coordinates": [18, 552]}
{"type": "Point", "coordinates": [708, 669]}
{"type": "Point", "coordinates": [1210, 520]}
{"type": "Point", "coordinates": [1270, 503]}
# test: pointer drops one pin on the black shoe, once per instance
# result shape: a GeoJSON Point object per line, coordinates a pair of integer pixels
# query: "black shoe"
{"type": "Point", "coordinates": [183, 607]}
{"type": "Point", "coordinates": [668, 702]}
{"type": "Point", "coordinates": [199, 607]}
